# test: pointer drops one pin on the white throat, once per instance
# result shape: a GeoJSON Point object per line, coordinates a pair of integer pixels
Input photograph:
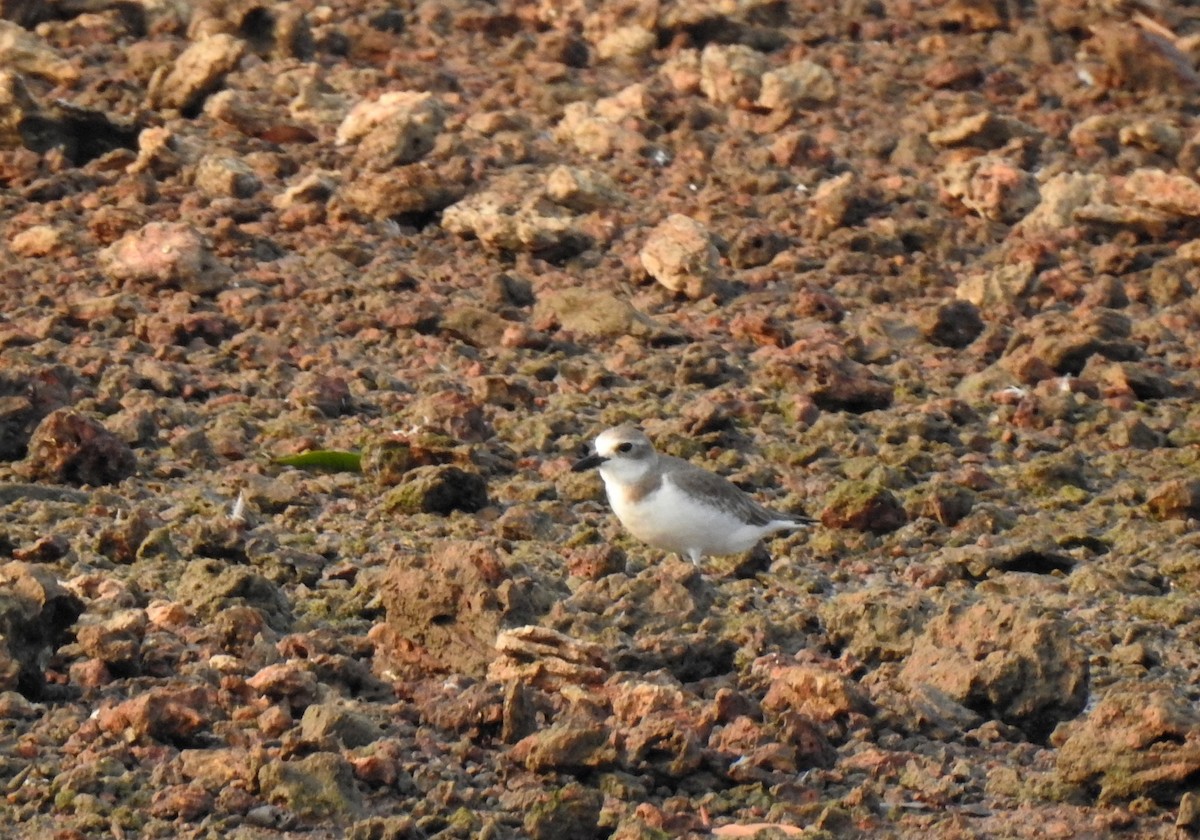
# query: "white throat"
{"type": "Point", "coordinates": [627, 471]}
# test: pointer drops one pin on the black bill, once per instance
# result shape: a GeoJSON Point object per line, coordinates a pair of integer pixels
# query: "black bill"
{"type": "Point", "coordinates": [587, 463]}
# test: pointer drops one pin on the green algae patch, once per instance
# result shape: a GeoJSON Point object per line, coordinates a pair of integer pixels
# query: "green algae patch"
{"type": "Point", "coordinates": [317, 787]}
{"type": "Point", "coordinates": [330, 460]}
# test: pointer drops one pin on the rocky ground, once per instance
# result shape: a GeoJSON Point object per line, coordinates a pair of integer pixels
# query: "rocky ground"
{"type": "Point", "coordinates": [925, 270]}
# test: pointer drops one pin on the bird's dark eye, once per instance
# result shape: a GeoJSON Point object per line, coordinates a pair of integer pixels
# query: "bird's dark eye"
{"type": "Point", "coordinates": [624, 447]}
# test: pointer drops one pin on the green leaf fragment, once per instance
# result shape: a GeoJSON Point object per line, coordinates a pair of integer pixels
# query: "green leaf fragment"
{"type": "Point", "coordinates": [335, 460]}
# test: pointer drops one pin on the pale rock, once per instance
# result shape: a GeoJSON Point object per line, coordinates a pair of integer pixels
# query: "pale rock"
{"type": "Point", "coordinates": [1176, 195]}
{"type": "Point", "coordinates": [731, 73]}
{"type": "Point", "coordinates": [992, 186]}
{"type": "Point", "coordinates": [397, 128]}
{"type": "Point", "coordinates": [165, 254]}
{"type": "Point", "coordinates": [316, 102]}
{"type": "Point", "coordinates": [1156, 136]}
{"type": "Point", "coordinates": [222, 175]}
{"type": "Point", "coordinates": [312, 188]}
{"type": "Point", "coordinates": [38, 241]}
{"type": "Point", "coordinates": [502, 225]}
{"type": "Point", "coordinates": [1014, 662]}
{"type": "Point", "coordinates": [630, 102]}
{"type": "Point", "coordinates": [24, 52]}
{"type": "Point", "coordinates": [162, 152]}
{"type": "Point", "coordinates": [626, 42]}
{"type": "Point", "coordinates": [682, 71]}
{"type": "Point", "coordinates": [1060, 197]}
{"type": "Point", "coordinates": [595, 129]}
{"type": "Point", "coordinates": [985, 130]}
{"type": "Point", "coordinates": [17, 109]}
{"type": "Point", "coordinates": [834, 203]}
{"type": "Point", "coordinates": [582, 189]}
{"type": "Point", "coordinates": [680, 255]}
{"type": "Point", "coordinates": [999, 288]}
{"type": "Point", "coordinates": [798, 85]}
{"type": "Point", "coordinates": [595, 315]}
{"type": "Point", "coordinates": [199, 70]}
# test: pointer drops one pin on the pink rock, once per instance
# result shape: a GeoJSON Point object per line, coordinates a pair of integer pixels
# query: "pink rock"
{"type": "Point", "coordinates": [810, 689]}
{"type": "Point", "coordinates": [165, 254]}
{"type": "Point", "coordinates": [166, 714]}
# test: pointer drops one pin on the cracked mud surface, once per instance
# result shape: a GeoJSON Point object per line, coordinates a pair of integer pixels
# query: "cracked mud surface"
{"type": "Point", "coordinates": [926, 271]}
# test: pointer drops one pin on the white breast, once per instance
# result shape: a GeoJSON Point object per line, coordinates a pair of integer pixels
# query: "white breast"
{"type": "Point", "coordinates": [671, 519]}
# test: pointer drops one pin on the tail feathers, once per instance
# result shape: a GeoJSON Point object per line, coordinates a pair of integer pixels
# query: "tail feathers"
{"type": "Point", "coordinates": [792, 521]}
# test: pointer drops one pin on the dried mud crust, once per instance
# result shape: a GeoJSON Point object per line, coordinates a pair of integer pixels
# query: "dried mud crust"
{"type": "Point", "coordinates": [928, 271]}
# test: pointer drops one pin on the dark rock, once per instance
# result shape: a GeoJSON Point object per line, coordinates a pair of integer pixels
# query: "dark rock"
{"type": "Point", "coordinates": [44, 550]}
{"type": "Point", "coordinates": [209, 586]}
{"type": "Point", "coordinates": [115, 641]}
{"type": "Point", "coordinates": [864, 506]}
{"type": "Point", "coordinates": [319, 787]}
{"type": "Point", "coordinates": [954, 324]}
{"type": "Point", "coordinates": [28, 394]}
{"type": "Point", "coordinates": [876, 624]}
{"type": "Point", "coordinates": [337, 722]}
{"type": "Point", "coordinates": [290, 682]}
{"type": "Point", "coordinates": [1140, 740]}
{"type": "Point", "coordinates": [511, 290]}
{"type": "Point", "coordinates": [1004, 661]}
{"type": "Point", "coordinates": [571, 811]}
{"type": "Point", "coordinates": [565, 748]}
{"type": "Point", "coordinates": [330, 395]}
{"type": "Point", "coordinates": [443, 610]}
{"type": "Point", "coordinates": [176, 715]}
{"type": "Point", "coordinates": [24, 13]}
{"type": "Point", "coordinates": [35, 612]}
{"type": "Point", "coordinates": [1188, 818]}
{"type": "Point", "coordinates": [755, 245]}
{"type": "Point", "coordinates": [438, 489]}
{"type": "Point", "coordinates": [812, 689]}
{"type": "Point", "coordinates": [1177, 499]}
{"type": "Point", "coordinates": [71, 448]}
{"type": "Point", "coordinates": [188, 803]}
{"type": "Point", "coordinates": [518, 716]}
{"type": "Point", "coordinates": [846, 385]}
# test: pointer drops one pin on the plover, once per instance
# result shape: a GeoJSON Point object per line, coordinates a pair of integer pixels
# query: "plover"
{"type": "Point", "coordinates": [675, 505]}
